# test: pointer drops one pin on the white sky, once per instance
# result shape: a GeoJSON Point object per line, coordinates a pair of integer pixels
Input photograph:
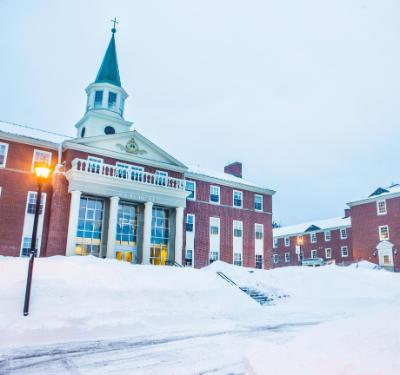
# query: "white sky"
{"type": "Point", "coordinates": [304, 93]}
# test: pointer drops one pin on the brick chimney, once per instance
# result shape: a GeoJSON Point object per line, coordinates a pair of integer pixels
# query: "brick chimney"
{"type": "Point", "coordinates": [234, 169]}
{"type": "Point", "coordinates": [347, 212]}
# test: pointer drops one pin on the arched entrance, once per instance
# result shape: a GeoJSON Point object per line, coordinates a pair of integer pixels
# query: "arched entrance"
{"type": "Point", "coordinates": [385, 255]}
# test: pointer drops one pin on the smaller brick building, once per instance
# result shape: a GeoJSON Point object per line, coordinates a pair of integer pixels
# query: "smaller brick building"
{"type": "Point", "coordinates": [329, 239]}
{"type": "Point", "coordinates": [376, 227]}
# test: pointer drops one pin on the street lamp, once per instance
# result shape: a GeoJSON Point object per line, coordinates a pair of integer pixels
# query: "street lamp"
{"type": "Point", "coordinates": [42, 172]}
{"type": "Point", "coordinates": [300, 243]}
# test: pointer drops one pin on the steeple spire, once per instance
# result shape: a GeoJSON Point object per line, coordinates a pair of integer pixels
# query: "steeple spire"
{"type": "Point", "coordinates": [109, 71]}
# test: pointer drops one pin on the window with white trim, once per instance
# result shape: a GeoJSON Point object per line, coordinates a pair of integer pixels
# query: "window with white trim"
{"type": "Point", "coordinates": [98, 99]}
{"type": "Point", "coordinates": [259, 231]}
{"type": "Point", "coordinates": [237, 259]}
{"type": "Point", "coordinates": [237, 199]}
{"type": "Point", "coordinates": [258, 202]}
{"type": "Point", "coordinates": [188, 257]}
{"type": "Point", "coordinates": [259, 261]}
{"type": "Point", "coordinates": [31, 206]}
{"type": "Point", "coordinates": [328, 253]}
{"type": "Point", "coordinates": [343, 233]}
{"type": "Point", "coordinates": [189, 222]}
{"type": "Point", "coordinates": [40, 156]}
{"type": "Point", "coordinates": [327, 235]}
{"type": "Point", "coordinates": [313, 237]}
{"type": "Point", "coordinates": [287, 241]}
{"type": "Point", "coordinates": [314, 254]}
{"type": "Point", "coordinates": [287, 257]}
{"type": "Point", "coordinates": [3, 154]}
{"type": "Point", "coordinates": [276, 242]}
{"type": "Point", "coordinates": [381, 207]}
{"type": "Point", "coordinates": [214, 225]}
{"type": "Point", "coordinates": [122, 170]}
{"type": "Point", "coordinates": [190, 186]}
{"type": "Point", "coordinates": [26, 247]}
{"type": "Point", "coordinates": [237, 228]}
{"type": "Point", "coordinates": [344, 251]}
{"type": "Point", "coordinates": [161, 178]}
{"type": "Point", "coordinates": [215, 194]}
{"type": "Point", "coordinates": [94, 164]}
{"type": "Point", "coordinates": [112, 100]}
{"type": "Point", "coordinates": [384, 233]}
{"type": "Point", "coordinates": [275, 258]}
{"type": "Point", "coordinates": [214, 255]}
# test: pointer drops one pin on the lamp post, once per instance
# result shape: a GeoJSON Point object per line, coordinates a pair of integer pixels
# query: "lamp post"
{"type": "Point", "coordinates": [42, 173]}
{"type": "Point", "coordinates": [299, 244]}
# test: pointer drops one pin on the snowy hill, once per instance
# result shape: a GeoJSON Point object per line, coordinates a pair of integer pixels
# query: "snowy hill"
{"type": "Point", "coordinates": [79, 299]}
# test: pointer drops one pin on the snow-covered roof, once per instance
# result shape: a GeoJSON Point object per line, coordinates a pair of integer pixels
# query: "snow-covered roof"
{"type": "Point", "coordinates": [33, 133]}
{"type": "Point", "coordinates": [380, 192]}
{"type": "Point", "coordinates": [321, 224]}
{"type": "Point", "coordinates": [194, 172]}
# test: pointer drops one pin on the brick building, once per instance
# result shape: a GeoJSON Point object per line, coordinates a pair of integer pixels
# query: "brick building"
{"type": "Point", "coordinates": [376, 227]}
{"type": "Point", "coordinates": [116, 194]}
{"type": "Point", "coordinates": [328, 239]}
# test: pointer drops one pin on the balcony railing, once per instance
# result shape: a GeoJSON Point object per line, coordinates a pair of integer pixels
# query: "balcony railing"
{"type": "Point", "coordinates": [119, 173]}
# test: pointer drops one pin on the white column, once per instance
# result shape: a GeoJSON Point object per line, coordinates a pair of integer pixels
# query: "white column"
{"type": "Point", "coordinates": [112, 227]}
{"type": "Point", "coordinates": [148, 214]}
{"type": "Point", "coordinates": [178, 234]}
{"type": "Point", "coordinates": [73, 222]}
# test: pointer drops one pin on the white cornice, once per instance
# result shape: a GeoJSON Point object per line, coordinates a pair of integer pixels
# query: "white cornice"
{"type": "Point", "coordinates": [374, 199]}
{"type": "Point", "coordinates": [28, 140]}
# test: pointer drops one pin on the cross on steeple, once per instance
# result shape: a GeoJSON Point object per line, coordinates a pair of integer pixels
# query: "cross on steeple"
{"type": "Point", "coordinates": [113, 30]}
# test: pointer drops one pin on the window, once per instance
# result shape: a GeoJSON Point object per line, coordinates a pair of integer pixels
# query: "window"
{"type": "Point", "coordinates": [214, 255]}
{"type": "Point", "coordinates": [214, 225]}
{"type": "Point", "coordinates": [214, 194]}
{"type": "Point", "coordinates": [189, 257]}
{"type": "Point", "coordinates": [328, 253]}
{"type": "Point", "coordinates": [259, 261]}
{"type": "Point", "coordinates": [3, 154]}
{"type": "Point", "coordinates": [237, 199]}
{"type": "Point", "coordinates": [276, 258]}
{"type": "Point", "coordinates": [31, 207]}
{"type": "Point", "coordinates": [98, 99]}
{"type": "Point", "coordinates": [287, 241]}
{"type": "Point", "coordinates": [276, 242]}
{"type": "Point", "coordinates": [343, 233]}
{"type": "Point", "coordinates": [94, 164]}
{"type": "Point", "coordinates": [381, 207]}
{"type": "Point", "coordinates": [122, 170]}
{"type": "Point", "coordinates": [313, 253]}
{"type": "Point", "coordinates": [160, 236]}
{"type": "Point", "coordinates": [161, 178]}
{"type": "Point", "coordinates": [344, 251]}
{"type": "Point", "coordinates": [189, 222]}
{"type": "Point", "coordinates": [327, 235]}
{"type": "Point", "coordinates": [137, 173]}
{"type": "Point", "coordinates": [112, 100]}
{"type": "Point", "coordinates": [108, 130]}
{"type": "Point", "coordinates": [237, 259]}
{"type": "Point", "coordinates": [259, 231]}
{"type": "Point", "coordinates": [191, 187]}
{"type": "Point", "coordinates": [384, 233]}
{"type": "Point", "coordinates": [237, 228]}
{"type": "Point", "coordinates": [313, 237]}
{"type": "Point", "coordinates": [26, 246]}
{"type": "Point", "coordinates": [40, 156]}
{"type": "Point", "coordinates": [121, 105]}
{"type": "Point", "coordinates": [287, 257]}
{"type": "Point", "coordinates": [258, 202]}
{"type": "Point", "coordinates": [386, 260]}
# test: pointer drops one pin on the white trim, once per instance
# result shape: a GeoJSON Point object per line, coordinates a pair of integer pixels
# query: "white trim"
{"type": "Point", "coordinates": [35, 151]}
{"type": "Point", "coordinates": [262, 202]}
{"type": "Point", "coordinates": [275, 258]}
{"type": "Point", "coordinates": [219, 194]}
{"type": "Point", "coordinates": [313, 237]}
{"type": "Point", "coordinates": [325, 235]}
{"type": "Point", "coordinates": [380, 232]}
{"type": "Point", "coordinates": [233, 198]}
{"type": "Point", "coordinates": [5, 154]}
{"type": "Point", "coordinates": [342, 237]}
{"type": "Point", "coordinates": [194, 189]}
{"type": "Point", "coordinates": [347, 251]}
{"type": "Point", "coordinates": [287, 257]}
{"type": "Point", "coordinates": [287, 241]}
{"type": "Point", "coordinates": [314, 252]}
{"type": "Point", "coordinates": [326, 253]}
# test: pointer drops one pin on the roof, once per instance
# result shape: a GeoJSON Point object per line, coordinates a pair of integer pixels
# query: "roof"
{"type": "Point", "coordinates": [32, 133]}
{"type": "Point", "coordinates": [312, 226]}
{"type": "Point", "coordinates": [380, 192]}
{"type": "Point", "coordinates": [208, 173]}
{"type": "Point", "coordinates": [109, 71]}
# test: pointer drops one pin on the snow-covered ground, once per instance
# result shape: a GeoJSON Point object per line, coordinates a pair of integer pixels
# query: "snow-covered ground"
{"type": "Point", "coordinates": [102, 316]}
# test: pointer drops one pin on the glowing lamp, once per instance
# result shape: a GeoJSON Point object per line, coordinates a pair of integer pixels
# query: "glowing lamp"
{"type": "Point", "coordinates": [42, 171]}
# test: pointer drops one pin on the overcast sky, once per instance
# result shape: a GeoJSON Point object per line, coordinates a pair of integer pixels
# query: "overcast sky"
{"type": "Point", "coordinates": [304, 92]}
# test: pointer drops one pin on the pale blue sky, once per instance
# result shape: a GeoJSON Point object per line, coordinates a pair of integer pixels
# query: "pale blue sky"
{"type": "Point", "coordinates": [304, 93]}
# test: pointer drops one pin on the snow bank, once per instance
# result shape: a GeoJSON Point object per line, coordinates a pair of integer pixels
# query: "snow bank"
{"type": "Point", "coordinates": [367, 345]}
{"type": "Point", "coordinates": [82, 298]}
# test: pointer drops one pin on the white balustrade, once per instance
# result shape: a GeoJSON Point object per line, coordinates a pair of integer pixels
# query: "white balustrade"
{"type": "Point", "coordinates": [116, 172]}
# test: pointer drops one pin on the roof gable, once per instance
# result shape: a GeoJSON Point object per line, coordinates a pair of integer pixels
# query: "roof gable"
{"type": "Point", "coordinates": [379, 191]}
{"type": "Point", "coordinates": [312, 228]}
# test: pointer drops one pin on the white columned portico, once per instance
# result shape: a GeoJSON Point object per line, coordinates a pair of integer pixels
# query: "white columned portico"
{"type": "Point", "coordinates": [112, 227]}
{"type": "Point", "coordinates": [148, 213]}
{"type": "Point", "coordinates": [73, 222]}
{"type": "Point", "coordinates": [178, 234]}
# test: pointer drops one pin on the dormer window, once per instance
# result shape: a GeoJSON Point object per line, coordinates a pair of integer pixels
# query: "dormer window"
{"type": "Point", "coordinates": [98, 99]}
{"type": "Point", "coordinates": [112, 100]}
